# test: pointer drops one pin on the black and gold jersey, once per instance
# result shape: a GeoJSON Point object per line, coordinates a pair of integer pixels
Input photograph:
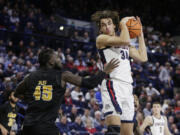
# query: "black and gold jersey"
{"type": "Point", "coordinates": [8, 115]}
{"type": "Point", "coordinates": [43, 94]}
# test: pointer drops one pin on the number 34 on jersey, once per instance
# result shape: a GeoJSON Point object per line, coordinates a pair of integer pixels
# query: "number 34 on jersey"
{"type": "Point", "coordinates": [43, 91]}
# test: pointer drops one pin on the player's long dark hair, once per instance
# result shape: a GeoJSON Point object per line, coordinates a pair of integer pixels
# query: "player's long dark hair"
{"type": "Point", "coordinates": [44, 56]}
{"type": "Point", "coordinates": [98, 15]}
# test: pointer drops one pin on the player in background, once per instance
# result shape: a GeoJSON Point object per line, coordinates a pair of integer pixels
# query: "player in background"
{"type": "Point", "coordinates": [155, 124]}
{"type": "Point", "coordinates": [136, 122]}
{"type": "Point", "coordinates": [8, 114]}
{"type": "Point", "coordinates": [116, 90]}
{"type": "Point", "coordinates": [44, 89]}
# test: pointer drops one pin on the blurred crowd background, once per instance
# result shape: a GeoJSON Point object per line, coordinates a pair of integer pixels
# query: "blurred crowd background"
{"type": "Point", "coordinates": [26, 27]}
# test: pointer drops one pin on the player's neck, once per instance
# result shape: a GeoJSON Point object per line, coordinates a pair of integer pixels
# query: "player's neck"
{"type": "Point", "coordinates": [114, 34]}
{"type": "Point", "coordinates": [12, 104]}
{"type": "Point", "coordinates": [158, 116]}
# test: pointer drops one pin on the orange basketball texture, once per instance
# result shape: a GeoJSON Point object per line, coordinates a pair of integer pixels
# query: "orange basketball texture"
{"type": "Point", "coordinates": [134, 28]}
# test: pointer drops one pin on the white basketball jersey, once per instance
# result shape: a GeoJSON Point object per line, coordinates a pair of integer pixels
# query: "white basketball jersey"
{"type": "Point", "coordinates": [123, 71]}
{"type": "Point", "coordinates": [158, 126]}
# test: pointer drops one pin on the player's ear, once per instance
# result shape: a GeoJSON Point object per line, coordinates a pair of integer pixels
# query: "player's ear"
{"type": "Point", "coordinates": [52, 62]}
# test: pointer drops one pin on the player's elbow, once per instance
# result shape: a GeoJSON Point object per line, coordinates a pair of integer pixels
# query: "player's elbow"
{"type": "Point", "coordinates": [127, 43]}
{"type": "Point", "coordinates": [124, 42]}
{"type": "Point", "coordinates": [144, 59]}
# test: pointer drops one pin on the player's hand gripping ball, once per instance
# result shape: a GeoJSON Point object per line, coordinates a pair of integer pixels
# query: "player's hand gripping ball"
{"type": "Point", "coordinates": [134, 27]}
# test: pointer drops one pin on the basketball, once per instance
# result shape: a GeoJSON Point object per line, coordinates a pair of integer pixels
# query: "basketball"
{"type": "Point", "coordinates": [134, 28]}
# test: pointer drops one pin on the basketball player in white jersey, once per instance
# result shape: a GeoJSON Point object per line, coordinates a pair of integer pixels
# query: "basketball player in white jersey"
{"type": "Point", "coordinates": [155, 124]}
{"type": "Point", "coordinates": [116, 90]}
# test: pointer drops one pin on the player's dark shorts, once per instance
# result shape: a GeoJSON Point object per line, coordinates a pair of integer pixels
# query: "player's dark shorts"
{"type": "Point", "coordinates": [40, 130]}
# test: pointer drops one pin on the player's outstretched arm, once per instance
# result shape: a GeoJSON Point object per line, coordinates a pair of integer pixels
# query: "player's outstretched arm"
{"type": "Point", "coordinates": [92, 81]}
{"type": "Point", "coordinates": [124, 39]}
{"type": "Point", "coordinates": [147, 122]}
{"type": "Point", "coordinates": [3, 130]}
{"type": "Point", "coordinates": [141, 53]}
{"type": "Point", "coordinates": [166, 129]}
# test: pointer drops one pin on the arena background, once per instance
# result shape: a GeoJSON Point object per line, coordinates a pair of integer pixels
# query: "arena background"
{"type": "Point", "coordinates": [27, 26]}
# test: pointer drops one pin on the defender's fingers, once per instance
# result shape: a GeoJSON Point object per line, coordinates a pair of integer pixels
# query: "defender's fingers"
{"type": "Point", "coordinates": [112, 60]}
{"type": "Point", "coordinates": [116, 62]}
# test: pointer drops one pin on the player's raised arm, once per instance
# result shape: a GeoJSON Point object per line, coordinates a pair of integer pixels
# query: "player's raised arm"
{"type": "Point", "coordinates": [147, 122]}
{"type": "Point", "coordinates": [92, 81]}
{"type": "Point", "coordinates": [166, 129]}
{"type": "Point", "coordinates": [108, 38]}
{"type": "Point", "coordinates": [141, 53]}
{"type": "Point", "coordinates": [108, 24]}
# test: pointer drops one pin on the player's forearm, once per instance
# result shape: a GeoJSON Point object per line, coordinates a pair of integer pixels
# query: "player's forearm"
{"type": "Point", "coordinates": [123, 39]}
{"type": "Point", "coordinates": [106, 40]}
{"type": "Point", "coordinates": [142, 48]}
{"type": "Point", "coordinates": [117, 41]}
{"type": "Point", "coordinates": [1, 126]}
{"type": "Point", "coordinates": [141, 131]}
{"type": "Point", "coordinates": [90, 82]}
{"type": "Point", "coordinates": [93, 81]}
{"type": "Point", "coordinates": [124, 36]}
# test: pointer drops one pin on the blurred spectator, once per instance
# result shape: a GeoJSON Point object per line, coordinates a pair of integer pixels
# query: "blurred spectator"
{"type": "Point", "coordinates": [70, 63]}
{"type": "Point", "coordinates": [77, 126]}
{"type": "Point", "coordinates": [97, 119]}
{"type": "Point", "coordinates": [63, 126]}
{"type": "Point", "coordinates": [29, 28]}
{"type": "Point", "coordinates": [52, 25]}
{"type": "Point", "coordinates": [102, 128]}
{"type": "Point", "coordinates": [14, 17]}
{"type": "Point", "coordinates": [178, 51]}
{"type": "Point", "coordinates": [61, 55]}
{"type": "Point", "coordinates": [73, 113]}
{"type": "Point", "coordinates": [147, 110]}
{"type": "Point", "coordinates": [164, 73]}
{"type": "Point", "coordinates": [30, 67]}
{"type": "Point", "coordinates": [176, 79]}
{"type": "Point", "coordinates": [76, 93]}
{"type": "Point", "coordinates": [90, 94]}
{"type": "Point", "coordinates": [150, 91]}
{"type": "Point", "coordinates": [86, 116]}
{"type": "Point", "coordinates": [89, 127]}
{"type": "Point", "coordinates": [76, 37]}
{"type": "Point", "coordinates": [86, 37]}
{"type": "Point", "coordinates": [67, 97]}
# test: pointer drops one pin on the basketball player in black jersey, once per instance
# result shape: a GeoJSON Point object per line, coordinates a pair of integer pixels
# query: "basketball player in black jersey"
{"type": "Point", "coordinates": [44, 89]}
{"type": "Point", "coordinates": [8, 114]}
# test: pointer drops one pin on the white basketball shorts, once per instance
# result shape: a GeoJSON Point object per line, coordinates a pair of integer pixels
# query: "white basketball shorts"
{"type": "Point", "coordinates": [117, 98]}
